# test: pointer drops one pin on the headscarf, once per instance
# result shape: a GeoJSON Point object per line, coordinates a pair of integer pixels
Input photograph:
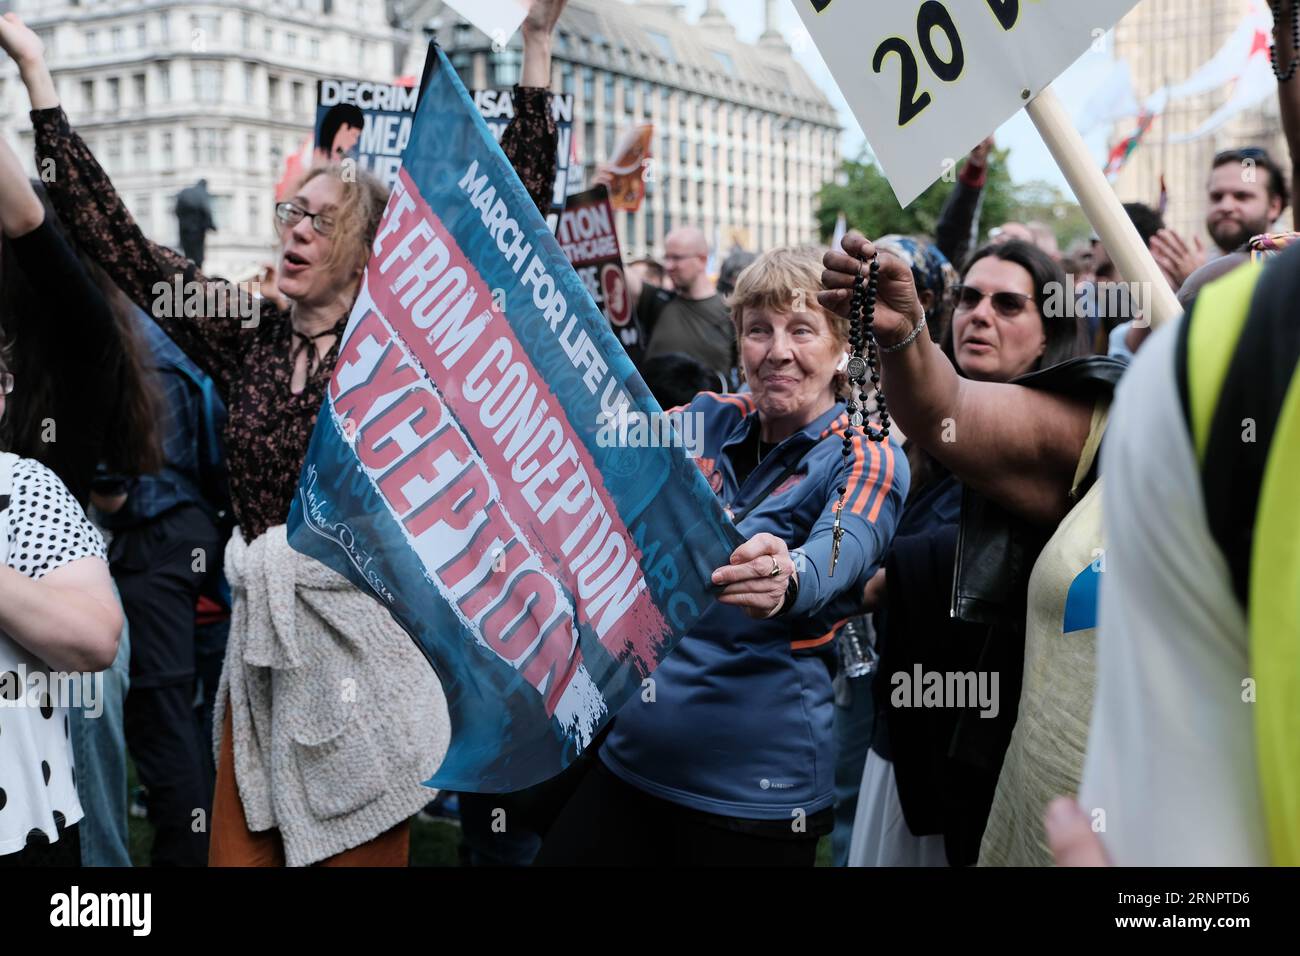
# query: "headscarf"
{"type": "Point", "coordinates": [930, 268]}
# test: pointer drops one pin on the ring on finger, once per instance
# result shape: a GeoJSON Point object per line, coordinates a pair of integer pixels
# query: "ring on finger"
{"type": "Point", "coordinates": [776, 568]}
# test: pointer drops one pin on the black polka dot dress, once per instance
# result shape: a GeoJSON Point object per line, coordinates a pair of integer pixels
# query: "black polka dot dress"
{"type": "Point", "coordinates": [41, 528]}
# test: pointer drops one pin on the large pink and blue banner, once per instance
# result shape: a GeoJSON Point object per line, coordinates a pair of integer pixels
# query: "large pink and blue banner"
{"type": "Point", "coordinates": [462, 470]}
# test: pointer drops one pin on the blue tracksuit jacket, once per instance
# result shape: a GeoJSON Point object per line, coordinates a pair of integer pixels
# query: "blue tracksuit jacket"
{"type": "Point", "coordinates": [740, 723]}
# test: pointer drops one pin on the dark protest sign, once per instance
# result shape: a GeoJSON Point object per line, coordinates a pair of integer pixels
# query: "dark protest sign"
{"type": "Point", "coordinates": [587, 236]}
{"type": "Point", "coordinates": [497, 109]}
{"type": "Point", "coordinates": [367, 122]}
{"type": "Point", "coordinates": [464, 468]}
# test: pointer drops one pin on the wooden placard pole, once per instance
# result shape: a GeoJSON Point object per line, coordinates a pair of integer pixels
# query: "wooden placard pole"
{"type": "Point", "coordinates": [1132, 258]}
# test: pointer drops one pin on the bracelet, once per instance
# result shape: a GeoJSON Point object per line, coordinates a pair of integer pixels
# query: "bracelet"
{"type": "Point", "coordinates": [907, 341]}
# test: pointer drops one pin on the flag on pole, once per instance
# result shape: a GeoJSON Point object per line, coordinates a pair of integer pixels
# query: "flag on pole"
{"type": "Point", "coordinates": [1125, 148]}
{"type": "Point", "coordinates": [1242, 63]}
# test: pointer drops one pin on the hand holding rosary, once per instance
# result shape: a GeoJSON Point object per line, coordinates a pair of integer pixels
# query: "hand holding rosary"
{"type": "Point", "coordinates": [862, 312]}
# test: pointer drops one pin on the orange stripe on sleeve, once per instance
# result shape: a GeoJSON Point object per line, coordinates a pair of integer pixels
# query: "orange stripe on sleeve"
{"type": "Point", "coordinates": [860, 498]}
{"type": "Point", "coordinates": [815, 641]}
{"type": "Point", "coordinates": [886, 485]}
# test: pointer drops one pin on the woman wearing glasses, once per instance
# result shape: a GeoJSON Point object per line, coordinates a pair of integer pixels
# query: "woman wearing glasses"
{"type": "Point", "coordinates": [332, 716]}
{"type": "Point", "coordinates": [1016, 419]}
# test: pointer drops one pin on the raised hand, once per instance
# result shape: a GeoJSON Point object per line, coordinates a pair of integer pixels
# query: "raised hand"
{"type": "Point", "coordinates": [1175, 257]}
{"type": "Point", "coordinates": [898, 310]}
{"type": "Point", "coordinates": [20, 41]}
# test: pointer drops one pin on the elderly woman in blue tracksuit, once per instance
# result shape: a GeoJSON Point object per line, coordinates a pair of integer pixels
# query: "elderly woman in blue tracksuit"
{"type": "Point", "coordinates": [726, 757]}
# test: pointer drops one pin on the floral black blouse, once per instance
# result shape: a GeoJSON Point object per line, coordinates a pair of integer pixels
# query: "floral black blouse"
{"type": "Point", "coordinates": [269, 427]}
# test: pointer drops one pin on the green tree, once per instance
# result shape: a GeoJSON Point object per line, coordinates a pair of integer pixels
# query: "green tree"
{"type": "Point", "coordinates": [863, 194]}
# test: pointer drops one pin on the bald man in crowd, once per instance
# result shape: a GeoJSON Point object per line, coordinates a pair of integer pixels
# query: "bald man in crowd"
{"type": "Point", "coordinates": [692, 319]}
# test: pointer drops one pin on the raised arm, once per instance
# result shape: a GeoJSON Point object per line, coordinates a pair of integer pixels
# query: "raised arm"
{"type": "Point", "coordinates": [1018, 446]}
{"type": "Point", "coordinates": [98, 222]}
{"type": "Point", "coordinates": [531, 139]}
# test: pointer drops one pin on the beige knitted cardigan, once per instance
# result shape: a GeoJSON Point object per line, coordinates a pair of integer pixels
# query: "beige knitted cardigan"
{"type": "Point", "coordinates": [337, 717]}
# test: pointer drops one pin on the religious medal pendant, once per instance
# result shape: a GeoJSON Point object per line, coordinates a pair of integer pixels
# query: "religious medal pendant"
{"type": "Point", "coordinates": [837, 532]}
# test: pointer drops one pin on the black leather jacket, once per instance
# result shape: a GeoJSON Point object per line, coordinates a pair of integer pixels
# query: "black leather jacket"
{"type": "Point", "coordinates": [996, 550]}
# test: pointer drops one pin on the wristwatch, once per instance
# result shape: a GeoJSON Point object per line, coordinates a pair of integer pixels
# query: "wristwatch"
{"type": "Point", "coordinates": [791, 593]}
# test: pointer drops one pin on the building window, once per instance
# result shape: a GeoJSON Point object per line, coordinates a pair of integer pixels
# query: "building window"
{"type": "Point", "coordinates": [588, 86]}
{"type": "Point", "coordinates": [141, 35]}
{"type": "Point", "coordinates": [250, 146]}
{"type": "Point", "coordinates": [139, 151]}
{"type": "Point", "coordinates": [165, 82]}
{"type": "Point", "coordinates": [116, 40]}
{"type": "Point", "coordinates": [141, 90]}
{"type": "Point", "coordinates": [506, 66]}
{"type": "Point", "coordinates": [313, 48]}
{"type": "Point", "coordinates": [297, 96]}
{"type": "Point", "coordinates": [254, 214]}
{"type": "Point", "coordinates": [609, 140]}
{"type": "Point", "coordinates": [566, 78]}
{"type": "Point", "coordinates": [88, 95]}
{"type": "Point", "coordinates": [167, 152]}
{"type": "Point", "coordinates": [609, 92]}
{"type": "Point", "coordinates": [291, 43]}
{"type": "Point", "coordinates": [245, 30]}
{"type": "Point", "coordinates": [208, 146]}
{"type": "Point", "coordinates": [684, 151]}
{"type": "Point", "coordinates": [250, 81]}
{"type": "Point", "coordinates": [273, 92]}
{"type": "Point", "coordinates": [92, 41]}
{"type": "Point", "coordinates": [207, 82]}
{"type": "Point", "coordinates": [165, 26]}
{"type": "Point", "coordinates": [113, 151]}
{"type": "Point", "coordinates": [267, 38]}
{"type": "Point", "coordinates": [114, 94]}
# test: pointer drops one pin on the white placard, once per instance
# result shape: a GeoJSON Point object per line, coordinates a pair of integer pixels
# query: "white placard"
{"type": "Point", "coordinates": [928, 80]}
{"type": "Point", "coordinates": [499, 19]}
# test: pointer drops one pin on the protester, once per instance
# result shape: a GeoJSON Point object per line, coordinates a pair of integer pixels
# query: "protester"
{"type": "Point", "coordinates": [167, 542]}
{"type": "Point", "coordinates": [1025, 454]}
{"type": "Point", "coordinates": [692, 318]}
{"type": "Point", "coordinates": [1247, 194]}
{"type": "Point", "coordinates": [89, 399]}
{"type": "Point", "coordinates": [1190, 759]}
{"type": "Point", "coordinates": [924, 799]}
{"type": "Point", "coordinates": [58, 613]}
{"type": "Point", "coordinates": [310, 788]}
{"type": "Point", "coordinates": [854, 710]}
{"type": "Point", "coordinates": [695, 772]}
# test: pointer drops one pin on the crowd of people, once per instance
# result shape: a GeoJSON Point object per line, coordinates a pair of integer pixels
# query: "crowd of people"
{"type": "Point", "coordinates": [1036, 557]}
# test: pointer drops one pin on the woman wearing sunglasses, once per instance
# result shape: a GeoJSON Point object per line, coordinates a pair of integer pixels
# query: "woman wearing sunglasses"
{"type": "Point", "coordinates": [1016, 418]}
{"type": "Point", "coordinates": [330, 715]}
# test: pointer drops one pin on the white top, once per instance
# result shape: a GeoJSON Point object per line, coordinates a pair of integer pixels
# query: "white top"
{"type": "Point", "coordinates": [41, 528]}
{"type": "Point", "coordinates": [1171, 752]}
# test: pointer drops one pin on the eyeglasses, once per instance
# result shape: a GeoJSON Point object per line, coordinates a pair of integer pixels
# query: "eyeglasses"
{"type": "Point", "coordinates": [1006, 304]}
{"type": "Point", "coordinates": [6, 383]}
{"type": "Point", "coordinates": [291, 215]}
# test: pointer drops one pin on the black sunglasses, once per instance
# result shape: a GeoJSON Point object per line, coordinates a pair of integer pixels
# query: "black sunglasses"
{"type": "Point", "coordinates": [1006, 304]}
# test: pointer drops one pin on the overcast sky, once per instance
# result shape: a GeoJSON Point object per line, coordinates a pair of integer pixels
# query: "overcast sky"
{"type": "Point", "coordinates": [1029, 157]}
